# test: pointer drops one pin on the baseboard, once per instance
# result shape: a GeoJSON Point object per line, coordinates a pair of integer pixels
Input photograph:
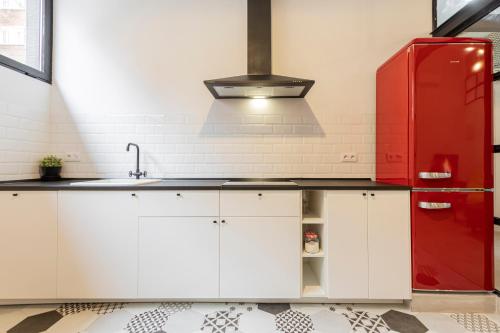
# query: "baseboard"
{"type": "Point", "coordinates": [454, 302]}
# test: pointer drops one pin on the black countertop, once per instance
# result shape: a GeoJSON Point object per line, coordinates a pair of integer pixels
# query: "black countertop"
{"type": "Point", "coordinates": [201, 184]}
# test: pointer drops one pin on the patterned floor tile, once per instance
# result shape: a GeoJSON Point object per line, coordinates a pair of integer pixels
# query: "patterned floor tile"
{"type": "Point", "coordinates": [257, 321]}
{"type": "Point", "coordinates": [292, 321]}
{"type": "Point", "coordinates": [362, 321]}
{"type": "Point", "coordinates": [78, 322]}
{"type": "Point", "coordinates": [37, 323]}
{"type": "Point", "coordinates": [326, 321]}
{"type": "Point", "coordinates": [187, 321]}
{"type": "Point", "coordinates": [72, 308]}
{"type": "Point", "coordinates": [403, 322]}
{"type": "Point", "coordinates": [380, 309]}
{"type": "Point", "coordinates": [476, 322]}
{"type": "Point", "coordinates": [137, 308]}
{"type": "Point", "coordinates": [171, 308]}
{"type": "Point", "coordinates": [105, 308]}
{"type": "Point", "coordinates": [206, 308]}
{"type": "Point", "coordinates": [242, 307]}
{"type": "Point", "coordinates": [10, 316]}
{"type": "Point", "coordinates": [147, 322]}
{"type": "Point", "coordinates": [110, 322]}
{"type": "Point", "coordinates": [308, 308]}
{"type": "Point", "coordinates": [441, 323]}
{"type": "Point", "coordinates": [35, 309]}
{"type": "Point", "coordinates": [221, 322]}
{"type": "Point", "coordinates": [273, 308]}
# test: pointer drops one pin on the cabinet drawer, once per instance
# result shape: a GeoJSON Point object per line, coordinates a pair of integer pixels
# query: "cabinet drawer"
{"type": "Point", "coordinates": [260, 203]}
{"type": "Point", "coordinates": [179, 203]}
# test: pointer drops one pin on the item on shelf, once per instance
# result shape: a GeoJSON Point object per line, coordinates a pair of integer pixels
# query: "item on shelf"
{"type": "Point", "coordinates": [311, 242]}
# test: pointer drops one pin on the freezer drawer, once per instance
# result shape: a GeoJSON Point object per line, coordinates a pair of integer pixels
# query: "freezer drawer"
{"type": "Point", "coordinates": [452, 241]}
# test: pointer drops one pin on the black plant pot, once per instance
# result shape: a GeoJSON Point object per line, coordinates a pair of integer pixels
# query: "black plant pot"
{"type": "Point", "coordinates": [50, 173]}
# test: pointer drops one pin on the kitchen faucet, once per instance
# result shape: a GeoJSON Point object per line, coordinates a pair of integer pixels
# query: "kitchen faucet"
{"type": "Point", "coordinates": [137, 172]}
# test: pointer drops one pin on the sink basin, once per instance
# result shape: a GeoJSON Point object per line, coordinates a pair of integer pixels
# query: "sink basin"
{"type": "Point", "coordinates": [116, 182]}
{"type": "Point", "coordinates": [260, 183]}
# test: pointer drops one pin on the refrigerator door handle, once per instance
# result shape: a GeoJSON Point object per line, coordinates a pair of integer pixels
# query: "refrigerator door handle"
{"type": "Point", "coordinates": [434, 175]}
{"type": "Point", "coordinates": [434, 205]}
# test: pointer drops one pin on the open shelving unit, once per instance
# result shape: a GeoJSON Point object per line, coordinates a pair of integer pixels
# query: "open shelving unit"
{"type": "Point", "coordinates": [314, 266]}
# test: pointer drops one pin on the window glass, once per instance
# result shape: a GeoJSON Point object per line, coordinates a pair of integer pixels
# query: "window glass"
{"type": "Point", "coordinates": [447, 8]}
{"type": "Point", "coordinates": [21, 31]}
{"type": "Point", "coordinates": [488, 27]}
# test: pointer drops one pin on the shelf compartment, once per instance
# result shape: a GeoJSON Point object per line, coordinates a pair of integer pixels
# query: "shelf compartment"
{"type": "Point", "coordinates": [313, 204]}
{"type": "Point", "coordinates": [312, 220]}
{"type": "Point", "coordinates": [311, 284]}
{"type": "Point", "coordinates": [320, 254]}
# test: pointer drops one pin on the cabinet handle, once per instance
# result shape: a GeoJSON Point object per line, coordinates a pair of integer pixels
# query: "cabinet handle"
{"type": "Point", "coordinates": [434, 205]}
{"type": "Point", "coordinates": [434, 175]}
{"type": "Point", "coordinates": [134, 195]}
{"type": "Point", "coordinates": [372, 194]}
{"type": "Point", "coordinates": [178, 195]}
{"type": "Point", "coordinates": [260, 194]}
{"type": "Point", "coordinates": [364, 194]}
{"type": "Point", "coordinates": [223, 221]}
{"type": "Point", "coordinates": [214, 222]}
{"type": "Point", "coordinates": [15, 194]}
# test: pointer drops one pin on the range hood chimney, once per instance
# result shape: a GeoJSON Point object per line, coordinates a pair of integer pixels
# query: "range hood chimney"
{"type": "Point", "coordinates": [259, 81]}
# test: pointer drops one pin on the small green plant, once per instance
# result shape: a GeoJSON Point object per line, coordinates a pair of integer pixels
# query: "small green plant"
{"type": "Point", "coordinates": [51, 161]}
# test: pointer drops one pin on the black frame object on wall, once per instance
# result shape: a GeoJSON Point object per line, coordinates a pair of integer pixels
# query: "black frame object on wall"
{"type": "Point", "coordinates": [46, 62]}
{"type": "Point", "coordinates": [464, 18]}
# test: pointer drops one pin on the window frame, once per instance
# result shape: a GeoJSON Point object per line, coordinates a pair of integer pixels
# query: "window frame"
{"type": "Point", "coordinates": [45, 74]}
{"type": "Point", "coordinates": [464, 18]}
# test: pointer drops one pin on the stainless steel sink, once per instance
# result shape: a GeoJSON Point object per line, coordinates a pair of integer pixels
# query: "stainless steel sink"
{"type": "Point", "coordinates": [116, 182]}
{"type": "Point", "coordinates": [260, 183]}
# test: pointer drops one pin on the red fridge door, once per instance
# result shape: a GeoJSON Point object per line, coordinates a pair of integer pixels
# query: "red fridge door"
{"type": "Point", "coordinates": [451, 116]}
{"type": "Point", "coordinates": [452, 240]}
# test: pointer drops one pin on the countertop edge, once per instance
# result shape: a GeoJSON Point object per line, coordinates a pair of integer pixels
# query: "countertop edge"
{"type": "Point", "coordinates": [302, 184]}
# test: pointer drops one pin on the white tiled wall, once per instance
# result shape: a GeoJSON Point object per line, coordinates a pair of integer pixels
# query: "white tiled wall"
{"type": "Point", "coordinates": [24, 125]}
{"type": "Point", "coordinates": [138, 78]}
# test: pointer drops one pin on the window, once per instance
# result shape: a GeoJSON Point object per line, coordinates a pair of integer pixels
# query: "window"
{"type": "Point", "coordinates": [488, 27]}
{"type": "Point", "coordinates": [26, 37]}
{"type": "Point", "coordinates": [447, 8]}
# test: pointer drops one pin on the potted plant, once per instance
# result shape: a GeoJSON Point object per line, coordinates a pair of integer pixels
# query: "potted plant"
{"type": "Point", "coordinates": [50, 168]}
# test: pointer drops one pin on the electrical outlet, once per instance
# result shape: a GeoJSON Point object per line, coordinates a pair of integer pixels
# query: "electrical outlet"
{"type": "Point", "coordinates": [71, 157]}
{"type": "Point", "coordinates": [349, 157]}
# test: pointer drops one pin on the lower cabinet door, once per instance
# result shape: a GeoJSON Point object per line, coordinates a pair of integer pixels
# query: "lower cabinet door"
{"type": "Point", "coordinates": [28, 245]}
{"type": "Point", "coordinates": [347, 244]}
{"type": "Point", "coordinates": [179, 257]}
{"type": "Point", "coordinates": [260, 257]}
{"type": "Point", "coordinates": [389, 245]}
{"type": "Point", "coordinates": [97, 245]}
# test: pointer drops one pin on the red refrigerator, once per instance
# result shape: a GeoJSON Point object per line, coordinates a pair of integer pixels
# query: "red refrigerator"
{"type": "Point", "coordinates": [434, 134]}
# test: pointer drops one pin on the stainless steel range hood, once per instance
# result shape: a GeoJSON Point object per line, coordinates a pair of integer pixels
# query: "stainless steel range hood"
{"type": "Point", "coordinates": [259, 82]}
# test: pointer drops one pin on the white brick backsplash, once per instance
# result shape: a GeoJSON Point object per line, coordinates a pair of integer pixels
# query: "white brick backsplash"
{"type": "Point", "coordinates": [24, 125]}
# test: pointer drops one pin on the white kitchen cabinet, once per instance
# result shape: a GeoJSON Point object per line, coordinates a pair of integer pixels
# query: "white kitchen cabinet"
{"type": "Point", "coordinates": [389, 245]}
{"type": "Point", "coordinates": [97, 245]}
{"type": "Point", "coordinates": [28, 245]}
{"type": "Point", "coordinates": [347, 213]}
{"type": "Point", "coordinates": [179, 257]}
{"type": "Point", "coordinates": [369, 244]}
{"type": "Point", "coordinates": [260, 203]}
{"type": "Point", "coordinates": [178, 203]}
{"type": "Point", "coordinates": [260, 257]}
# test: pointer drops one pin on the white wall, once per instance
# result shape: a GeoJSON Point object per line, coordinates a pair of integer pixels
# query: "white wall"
{"type": "Point", "coordinates": [24, 124]}
{"type": "Point", "coordinates": [132, 71]}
